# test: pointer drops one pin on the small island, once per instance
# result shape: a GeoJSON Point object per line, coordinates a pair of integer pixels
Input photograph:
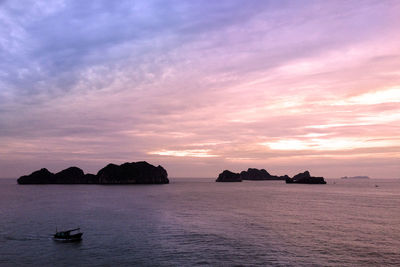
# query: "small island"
{"type": "Point", "coordinates": [251, 174]}
{"type": "Point", "coordinates": [260, 175]}
{"type": "Point", "coordinates": [305, 178]}
{"type": "Point", "coordinates": [355, 177]}
{"type": "Point", "coordinates": [228, 176]}
{"type": "Point", "coordinates": [127, 173]}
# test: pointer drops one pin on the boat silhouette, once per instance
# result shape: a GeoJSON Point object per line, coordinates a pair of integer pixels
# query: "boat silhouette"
{"type": "Point", "coordinates": [68, 235]}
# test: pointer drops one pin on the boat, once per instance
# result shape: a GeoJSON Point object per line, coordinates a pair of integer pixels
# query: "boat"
{"type": "Point", "coordinates": [68, 236]}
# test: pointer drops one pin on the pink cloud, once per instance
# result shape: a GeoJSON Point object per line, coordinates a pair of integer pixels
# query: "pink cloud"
{"type": "Point", "coordinates": [282, 88]}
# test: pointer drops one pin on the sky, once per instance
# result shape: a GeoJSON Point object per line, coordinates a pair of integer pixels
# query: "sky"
{"type": "Point", "coordinates": [201, 86]}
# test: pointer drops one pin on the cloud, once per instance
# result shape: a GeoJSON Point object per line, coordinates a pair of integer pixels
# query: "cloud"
{"type": "Point", "coordinates": [202, 83]}
{"type": "Point", "coordinates": [199, 153]}
{"type": "Point", "coordinates": [329, 144]}
{"type": "Point", "coordinates": [390, 95]}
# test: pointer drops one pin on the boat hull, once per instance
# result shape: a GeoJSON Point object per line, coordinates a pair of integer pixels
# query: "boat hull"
{"type": "Point", "coordinates": [70, 238]}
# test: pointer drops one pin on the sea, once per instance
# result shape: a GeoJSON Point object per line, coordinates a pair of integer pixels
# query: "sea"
{"type": "Point", "coordinates": [198, 222]}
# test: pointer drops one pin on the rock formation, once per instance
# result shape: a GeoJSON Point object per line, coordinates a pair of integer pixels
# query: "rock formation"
{"type": "Point", "coordinates": [42, 176]}
{"type": "Point", "coordinates": [127, 173]}
{"type": "Point", "coordinates": [133, 173]}
{"type": "Point", "coordinates": [256, 174]}
{"type": "Point", "coordinates": [305, 178]}
{"type": "Point", "coordinates": [72, 175]}
{"type": "Point", "coordinates": [228, 176]}
{"type": "Point", "coordinates": [90, 179]}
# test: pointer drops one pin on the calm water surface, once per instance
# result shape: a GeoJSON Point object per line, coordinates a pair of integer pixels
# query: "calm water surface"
{"type": "Point", "coordinates": [199, 222]}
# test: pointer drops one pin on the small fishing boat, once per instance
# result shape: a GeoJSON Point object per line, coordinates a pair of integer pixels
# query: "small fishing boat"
{"type": "Point", "coordinates": [73, 235]}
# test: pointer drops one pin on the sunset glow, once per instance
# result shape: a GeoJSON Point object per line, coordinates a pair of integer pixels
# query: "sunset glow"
{"type": "Point", "coordinates": [391, 95]}
{"type": "Point", "coordinates": [200, 87]}
{"type": "Point", "coordinates": [329, 144]}
{"type": "Point", "coordinates": [200, 153]}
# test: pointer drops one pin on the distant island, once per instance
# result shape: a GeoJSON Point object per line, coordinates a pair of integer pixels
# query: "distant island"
{"type": "Point", "coordinates": [257, 175]}
{"type": "Point", "coordinates": [305, 178]}
{"type": "Point", "coordinates": [251, 174]}
{"type": "Point", "coordinates": [355, 177]}
{"type": "Point", "coordinates": [262, 175]}
{"type": "Point", "coordinates": [127, 173]}
{"type": "Point", "coordinates": [228, 176]}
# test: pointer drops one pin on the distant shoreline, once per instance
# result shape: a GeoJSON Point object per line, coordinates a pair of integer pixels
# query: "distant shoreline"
{"type": "Point", "coordinates": [355, 177]}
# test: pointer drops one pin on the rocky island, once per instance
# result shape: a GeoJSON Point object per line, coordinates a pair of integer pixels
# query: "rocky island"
{"type": "Point", "coordinates": [305, 178]}
{"type": "Point", "coordinates": [228, 176]}
{"type": "Point", "coordinates": [127, 173]}
{"type": "Point", "coordinates": [258, 175]}
{"type": "Point", "coordinates": [263, 175]}
{"type": "Point", "coordinates": [251, 174]}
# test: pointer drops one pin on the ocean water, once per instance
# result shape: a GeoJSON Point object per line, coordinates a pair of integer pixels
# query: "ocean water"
{"type": "Point", "coordinates": [197, 222]}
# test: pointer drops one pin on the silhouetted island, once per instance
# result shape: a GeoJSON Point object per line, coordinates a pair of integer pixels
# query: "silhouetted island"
{"type": "Point", "coordinates": [127, 173]}
{"type": "Point", "coordinates": [305, 178]}
{"type": "Point", "coordinates": [258, 175]}
{"type": "Point", "coordinates": [262, 175]}
{"type": "Point", "coordinates": [355, 177]}
{"type": "Point", "coordinates": [228, 176]}
{"type": "Point", "coordinates": [251, 174]}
